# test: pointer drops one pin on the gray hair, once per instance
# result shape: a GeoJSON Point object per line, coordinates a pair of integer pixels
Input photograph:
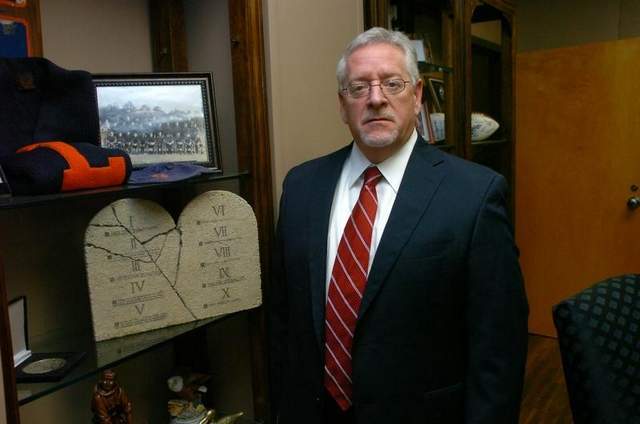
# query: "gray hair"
{"type": "Point", "coordinates": [377, 35]}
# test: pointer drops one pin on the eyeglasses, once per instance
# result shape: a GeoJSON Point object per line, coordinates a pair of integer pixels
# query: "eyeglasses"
{"type": "Point", "coordinates": [390, 87]}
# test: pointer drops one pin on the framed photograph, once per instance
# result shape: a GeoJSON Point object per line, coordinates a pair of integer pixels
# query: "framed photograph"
{"type": "Point", "coordinates": [14, 37]}
{"type": "Point", "coordinates": [5, 189]}
{"type": "Point", "coordinates": [436, 93]}
{"type": "Point", "coordinates": [35, 367]}
{"type": "Point", "coordinates": [18, 324]}
{"type": "Point", "coordinates": [428, 51]}
{"type": "Point", "coordinates": [422, 45]}
{"type": "Point", "coordinates": [418, 46]}
{"type": "Point", "coordinates": [421, 125]}
{"type": "Point", "coordinates": [160, 118]}
{"type": "Point", "coordinates": [425, 126]}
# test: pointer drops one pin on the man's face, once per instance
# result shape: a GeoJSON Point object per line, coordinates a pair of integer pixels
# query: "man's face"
{"type": "Point", "coordinates": [380, 124]}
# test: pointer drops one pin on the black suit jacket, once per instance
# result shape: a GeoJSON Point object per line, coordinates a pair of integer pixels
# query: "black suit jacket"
{"type": "Point", "coordinates": [442, 329]}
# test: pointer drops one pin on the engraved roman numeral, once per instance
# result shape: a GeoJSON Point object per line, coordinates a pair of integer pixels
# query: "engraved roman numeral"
{"type": "Point", "coordinates": [223, 252]}
{"type": "Point", "coordinates": [137, 284]}
{"type": "Point", "coordinates": [225, 294]}
{"type": "Point", "coordinates": [133, 243]}
{"type": "Point", "coordinates": [139, 308]}
{"type": "Point", "coordinates": [223, 273]}
{"type": "Point", "coordinates": [221, 231]}
{"type": "Point", "coordinates": [218, 210]}
{"type": "Point", "coordinates": [135, 265]}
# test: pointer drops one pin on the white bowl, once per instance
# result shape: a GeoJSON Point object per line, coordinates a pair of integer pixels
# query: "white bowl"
{"type": "Point", "coordinates": [482, 126]}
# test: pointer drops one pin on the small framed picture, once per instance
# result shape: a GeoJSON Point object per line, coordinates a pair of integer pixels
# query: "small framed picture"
{"type": "Point", "coordinates": [421, 124]}
{"type": "Point", "coordinates": [14, 36]}
{"type": "Point", "coordinates": [35, 367]}
{"type": "Point", "coordinates": [5, 189]}
{"type": "Point", "coordinates": [418, 46]}
{"type": "Point", "coordinates": [18, 324]}
{"type": "Point", "coordinates": [436, 92]}
{"type": "Point", "coordinates": [428, 51]}
{"type": "Point", "coordinates": [423, 51]}
{"type": "Point", "coordinates": [160, 118]}
{"type": "Point", "coordinates": [422, 45]}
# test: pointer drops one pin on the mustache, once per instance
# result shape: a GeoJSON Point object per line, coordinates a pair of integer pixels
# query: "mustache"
{"type": "Point", "coordinates": [384, 115]}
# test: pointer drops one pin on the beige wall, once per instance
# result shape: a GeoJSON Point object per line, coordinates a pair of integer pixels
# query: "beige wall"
{"type": "Point", "coordinates": [97, 35]}
{"type": "Point", "coordinates": [304, 40]}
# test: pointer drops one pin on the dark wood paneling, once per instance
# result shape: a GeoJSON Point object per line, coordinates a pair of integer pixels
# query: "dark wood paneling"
{"type": "Point", "coordinates": [376, 13]}
{"type": "Point", "coordinates": [254, 154]}
{"type": "Point", "coordinates": [168, 37]}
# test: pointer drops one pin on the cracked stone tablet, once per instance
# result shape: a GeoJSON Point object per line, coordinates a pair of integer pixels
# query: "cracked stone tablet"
{"type": "Point", "coordinates": [145, 272]}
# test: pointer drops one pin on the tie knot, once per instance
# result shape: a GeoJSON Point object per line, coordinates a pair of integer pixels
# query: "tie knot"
{"type": "Point", "coordinates": [372, 176]}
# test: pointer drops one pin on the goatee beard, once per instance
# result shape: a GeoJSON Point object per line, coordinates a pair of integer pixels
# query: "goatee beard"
{"type": "Point", "coordinates": [379, 140]}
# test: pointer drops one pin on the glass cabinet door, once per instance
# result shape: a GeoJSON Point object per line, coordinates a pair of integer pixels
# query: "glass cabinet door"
{"type": "Point", "coordinates": [491, 104]}
{"type": "Point", "coordinates": [430, 25]}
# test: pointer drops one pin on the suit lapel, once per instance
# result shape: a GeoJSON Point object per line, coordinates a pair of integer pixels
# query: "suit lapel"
{"type": "Point", "coordinates": [419, 183]}
{"type": "Point", "coordinates": [324, 184]}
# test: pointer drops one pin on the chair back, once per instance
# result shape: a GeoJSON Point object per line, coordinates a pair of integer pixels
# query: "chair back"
{"type": "Point", "coordinates": [599, 337]}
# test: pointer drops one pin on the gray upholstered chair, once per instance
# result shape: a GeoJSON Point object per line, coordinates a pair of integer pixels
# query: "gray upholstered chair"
{"type": "Point", "coordinates": [599, 336]}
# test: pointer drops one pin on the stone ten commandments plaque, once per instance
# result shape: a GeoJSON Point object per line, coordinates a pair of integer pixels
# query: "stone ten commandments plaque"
{"type": "Point", "coordinates": [144, 272]}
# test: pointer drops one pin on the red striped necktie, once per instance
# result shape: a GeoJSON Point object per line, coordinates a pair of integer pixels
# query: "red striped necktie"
{"type": "Point", "coordinates": [346, 287]}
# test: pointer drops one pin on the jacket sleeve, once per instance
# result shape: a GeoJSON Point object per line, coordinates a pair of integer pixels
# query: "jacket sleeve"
{"type": "Point", "coordinates": [497, 313]}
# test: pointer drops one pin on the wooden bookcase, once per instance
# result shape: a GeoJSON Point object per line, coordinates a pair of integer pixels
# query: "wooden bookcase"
{"type": "Point", "coordinates": [186, 344]}
{"type": "Point", "coordinates": [473, 46]}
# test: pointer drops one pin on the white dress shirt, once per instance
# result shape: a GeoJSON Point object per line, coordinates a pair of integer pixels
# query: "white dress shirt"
{"type": "Point", "coordinates": [348, 190]}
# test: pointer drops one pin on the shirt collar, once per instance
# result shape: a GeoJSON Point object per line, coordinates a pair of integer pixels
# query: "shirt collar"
{"type": "Point", "coordinates": [392, 168]}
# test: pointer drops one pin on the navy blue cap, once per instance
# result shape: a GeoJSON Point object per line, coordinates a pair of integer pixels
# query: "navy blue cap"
{"type": "Point", "coordinates": [166, 172]}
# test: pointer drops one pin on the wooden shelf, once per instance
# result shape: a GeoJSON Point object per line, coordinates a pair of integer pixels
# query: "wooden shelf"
{"type": "Point", "coordinates": [425, 67]}
{"type": "Point", "coordinates": [14, 202]}
{"type": "Point", "coordinates": [489, 142]}
{"type": "Point", "coordinates": [446, 147]}
{"type": "Point", "coordinates": [251, 138]}
{"type": "Point", "coordinates": [101, 355]}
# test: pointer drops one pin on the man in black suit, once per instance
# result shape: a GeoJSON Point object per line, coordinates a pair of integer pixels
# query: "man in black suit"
{"type": "Point", "coordinates": [397, 294]}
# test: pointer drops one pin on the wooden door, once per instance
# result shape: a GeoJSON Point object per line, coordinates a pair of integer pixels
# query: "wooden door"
{"type": "Point", "coordinates": [577, 159]}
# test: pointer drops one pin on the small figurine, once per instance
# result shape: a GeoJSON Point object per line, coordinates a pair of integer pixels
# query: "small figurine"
{"type": "Point", "coordinates": [189, 409]}
{"type": "Point", "coordinates": [110, 404]}
{"type": "Point", "coordinates": [189, 387]}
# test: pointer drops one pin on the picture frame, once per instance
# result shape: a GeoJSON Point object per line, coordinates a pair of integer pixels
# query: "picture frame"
{"type": "Point", "coordinates": [437, 94]}
{"type": "Point", "coordinates": [425, 126]}
{"type": "Point", "coordinates": [160, 118]}
{"type": "Point", "coordinates": [35, 367]}
{"type": "Point", "coordinates": [17, 311]}
{"type": "Point", "coordinates": [418, 47]}
{"type": "Point", "coordinates": [421, 42]}
{"type": "Point", "coordinates": [421, 124]}
{"type": "Point", "coordinates": [428, 51]}
{"type": "Point", "coordinates": [14, 37]}
{"type": "Point", "coordinates": [5, 188]}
